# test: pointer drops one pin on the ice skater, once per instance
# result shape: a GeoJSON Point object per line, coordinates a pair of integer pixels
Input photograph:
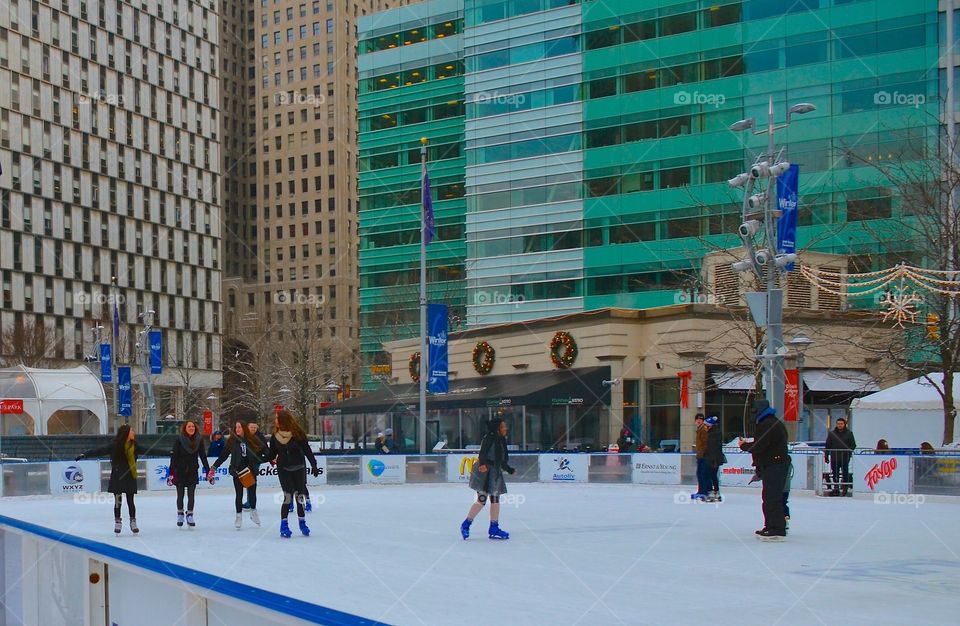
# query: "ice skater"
{"type": "Point", "coordinates": [255, 431]}
{"type": "Point", "coordinates": [123, 452]}
{"type": "Point", "coordinates": [769, 450]}
{"type": "Point", "coordinates": [700, 447]}
{"type": "Point", "coordinates": [187, 451]}
{"type": "Point", "coordinates": [838, 450]}
{"type": "Point", "coordinates": [487, 478]}
{"type": "Point", "coordinates": [246, 455]}
{"type": "Point", "coordinates": [714, 458]}
{"type": "Point", "coordinates": [289, 447]}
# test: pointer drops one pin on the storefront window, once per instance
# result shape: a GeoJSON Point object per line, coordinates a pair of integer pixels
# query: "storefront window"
{"type": "Point", "coordinates": [662, 429]}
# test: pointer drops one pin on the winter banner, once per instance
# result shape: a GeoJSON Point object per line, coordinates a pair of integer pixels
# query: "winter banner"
{"type": "Point", "coordinates": [787, 202]}
{"type": "Point", "coordinates": [564, 468]}
{"type": "Point", "coordinates": [106, 363]}
{"type": "Point", "coordinates": [459, 467]}
{"type": "Point", "coordinates": [156, 352]}
{"type": "Point", "coordinates": [74, 477]}
{"type": "Point", "coordinates": [791, 395]}
{"type": "Point", "coordinates": [656, 469]}
{"type": "Point", "coordinates": [437, 380]}
{"type": "Point", "coordinates": [125, 391]}
{"type": "Point", "coordinates": [388, 469]}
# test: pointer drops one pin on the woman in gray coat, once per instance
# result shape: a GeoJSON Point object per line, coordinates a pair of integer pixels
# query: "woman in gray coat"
{"type": "Point", "coordinates": [487, 478]}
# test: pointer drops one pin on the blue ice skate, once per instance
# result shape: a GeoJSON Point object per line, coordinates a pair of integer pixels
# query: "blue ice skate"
{"type": "Point", "coordinates": [285, 529]}
{"type": "Point", "coordinates": [496, 533]}
{"type": "Point", "coordinates": [465, 528]}
{"type": "Point", "coordinates": [304, 528]}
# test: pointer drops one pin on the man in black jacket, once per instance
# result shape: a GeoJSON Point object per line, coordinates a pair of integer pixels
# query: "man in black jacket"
{"type": "Point", "coordinates": [769, 450]}
{"type": "Point", "coordinates": [837, 450]}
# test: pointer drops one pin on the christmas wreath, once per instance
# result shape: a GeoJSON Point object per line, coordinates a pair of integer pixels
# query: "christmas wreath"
{"type": "Point", "coordinates": [483, 357]}
{"type": "Point", "coordinates": [414, 367]}
{"type": "Point", "coordinates": [563, 350]}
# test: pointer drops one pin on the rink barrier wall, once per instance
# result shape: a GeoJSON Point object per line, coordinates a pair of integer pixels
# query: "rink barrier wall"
{"type": "Point", "coordinates": [38, 563]}
{"type": "Point", "coordinates": [932, 475]}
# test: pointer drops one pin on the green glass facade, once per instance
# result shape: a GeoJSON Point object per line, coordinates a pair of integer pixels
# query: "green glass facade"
{"type": "Point", "coordinates": [580, 150]}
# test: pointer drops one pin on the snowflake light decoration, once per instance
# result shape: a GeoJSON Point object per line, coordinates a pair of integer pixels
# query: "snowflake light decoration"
{"type": "Point", "coordinates": [900, 306]}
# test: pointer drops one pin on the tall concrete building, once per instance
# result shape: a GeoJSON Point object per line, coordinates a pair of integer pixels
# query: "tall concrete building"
{"type": "Point", "coordinates": [110, 155]}
{"type": "Point", "coordinates": [290, 186]}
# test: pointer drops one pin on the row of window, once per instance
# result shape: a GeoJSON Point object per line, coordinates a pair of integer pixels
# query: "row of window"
{"type": "Point", "coordinates": [414, 76]}
{"type": "Point", "coordinates": [407, 274]}
{"type": "Point", "coordinates": [289, 11]}
{"type": "Point", "coordinates": [305, 232]}
{"type": "Point", "coordinates": [411, 236]}
{"type": "Point", "coordinates": [265, 60]}
{"type": "Point", "coordinates": [300, 33]}
{"type": "Point", "coordinates": [440, 190]}
{"type": "Point", "coordinates": [410, 156]}
{"type": "Point", "coordinates": [391, 118]}
{"type": "Point", "coordinates": [418, 34]}
{"type": "Point", "coordinates": [648, 25]}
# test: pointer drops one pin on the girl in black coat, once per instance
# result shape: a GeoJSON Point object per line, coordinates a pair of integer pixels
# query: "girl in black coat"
{"type": "Point", "coordinates": [714, 457]}
{"type": "Point", "coordinates": [487, 478]}
{"type": "Point", "coordinates": [245, 452]}
{"type": "Point", "coordinates": [187, 449]}
{"type": "Point", "coordinates": [289, 447]}
{"type": "Point", "coordinates": [123, 452]}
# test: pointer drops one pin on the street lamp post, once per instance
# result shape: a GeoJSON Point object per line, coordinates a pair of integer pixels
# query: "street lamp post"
{"type": "Point", "coordinates": [801, 343]}
{"type": "Point", "coordinates": [766, 308]}
{"type": "Point", "coordinates": [143, 356]}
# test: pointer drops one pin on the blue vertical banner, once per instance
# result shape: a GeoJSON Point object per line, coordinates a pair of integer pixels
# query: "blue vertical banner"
{"type": "Point", "coordinates": [787, 201]}
{"type": "Point", "coordinates": [124, 391]}
{"type": "Point", "coordinates": [437, 365]}
{"type": "Point", "coordinates": [156, 352]}
{"type": "Point", "coordinates": [106, 363]}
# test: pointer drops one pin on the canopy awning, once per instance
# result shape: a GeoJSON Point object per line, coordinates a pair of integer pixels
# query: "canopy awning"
{"type": "Point", "coordinates": [583, 386]}
{"type": "Point", "coordinates": [839, 381]}
{"type": "Point", "coordinates": [44, 392]}
{"type": "Point", "coordinates": [734, 380]}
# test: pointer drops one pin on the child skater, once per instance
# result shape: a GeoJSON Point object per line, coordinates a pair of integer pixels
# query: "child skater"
{"type": "Point", "coordinates": [245, 452]}
{"type": "Point", "coordinates": [289, 447]}
{"type": "Point", "coordinates": [187, 448]}
{"type": "Point", "coordinates": [123, 452]}
{"type": "Point", "coordinates": [487, 478]}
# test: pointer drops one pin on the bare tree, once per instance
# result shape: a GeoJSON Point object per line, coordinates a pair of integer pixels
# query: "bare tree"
{"type": "Point", "coordinates": [250, 378]}
{"type": "Point", "coordinates": [28, 342]}
{"type": "Point", "coordinates": [189, 381]}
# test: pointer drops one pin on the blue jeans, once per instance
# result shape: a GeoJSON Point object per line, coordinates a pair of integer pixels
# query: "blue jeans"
{"type": "Point", "coordinates": [703, 479]}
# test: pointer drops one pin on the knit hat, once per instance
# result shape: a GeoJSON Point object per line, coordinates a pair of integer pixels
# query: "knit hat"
{"type": "Point", "coordinates": [711, 421]}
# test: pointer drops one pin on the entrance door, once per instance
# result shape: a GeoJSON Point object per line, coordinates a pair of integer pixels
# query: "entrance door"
{"type": "Point", "coordinates": [433, 433]}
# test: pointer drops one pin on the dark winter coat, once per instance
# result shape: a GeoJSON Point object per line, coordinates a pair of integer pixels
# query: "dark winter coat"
{"type": "Point", "coordinates": [839, 446]}
{"type": "Point", "coordinates": [625, 442]}
{"type": "Point", "coordinates": [493, 454]}
{"type": "Point", "coordinates": [714, 455]}
{"type": "Point", "coordinates": [241, 456]}
{"type": "Point", "coordinates": [121, 480]}
{"type": "Point", "coordinates": [290, 455]}
{"type": "Point", "coordinates": [264, 444]}
{"type": "Point", "coordinates": [769, 446]}
{"type": "Point", "coordinates": [216, 447]}
{"type": "Point", "coordinates": [380, 447]}
{"type": "Point", "coordinates": [183, 462]}
{"type": "Point", "coordinates": [701, 441]}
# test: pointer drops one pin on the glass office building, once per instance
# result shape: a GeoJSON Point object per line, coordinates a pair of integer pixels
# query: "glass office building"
{"type": "Point", "coordinates": [579, 151]}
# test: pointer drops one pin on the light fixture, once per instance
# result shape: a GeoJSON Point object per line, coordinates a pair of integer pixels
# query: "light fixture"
{"type": "Point", "coordinates": [743, 125]}
{"type": "Point", "coordinates": [801, 343]}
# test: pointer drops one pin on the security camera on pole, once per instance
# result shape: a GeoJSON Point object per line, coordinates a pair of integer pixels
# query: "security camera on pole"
{"type": "Point", "coordinates": [758, 231]}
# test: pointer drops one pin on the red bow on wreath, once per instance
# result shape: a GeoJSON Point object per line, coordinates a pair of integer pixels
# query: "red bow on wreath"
{"type": "Point", "coordinates": [685, 388]}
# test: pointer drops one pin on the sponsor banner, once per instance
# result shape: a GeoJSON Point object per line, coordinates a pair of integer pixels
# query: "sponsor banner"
{"type": "Point", "coordinates": [787, 201]}
{"type": "Point", "coordinates": [656, 469]}
{"type": "Point", "coordinates": [564, 468]}
{"type": "Point", "coordinates": [739, 469]}
{"type": "Point", "coordinates": [221, 479]}
{"type": "Point", "coordinates": [208, 422]}
{"type": "Point", "coordinates": [791, 395]}
{"type": "Point", "coordinates": [156, 352]}
{"type": "Point", "coordinates": [459, 467]}
{"type": "Point", "coordinates": [11, 407]}
{"type": "Point", "coordinates": [125, 391]}
{"type": "Point", "coordinates": [267, 476]}
{"type": "Point", "coordinates": [74, 477]}
{"type": "Point", "coordinates": [106, 363]}
{"type": "Point", "coordinates": [384, 469]}
{"type": "Point", "coordinates": [437, 375]}
{"type": "Point", "coordinates": [157, 471]}
{"type": "Point", "coordinates": [879, 473]}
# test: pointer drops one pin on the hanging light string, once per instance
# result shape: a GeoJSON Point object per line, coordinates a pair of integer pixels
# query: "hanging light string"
{"type": "Point", "coordinates": [865, 283]}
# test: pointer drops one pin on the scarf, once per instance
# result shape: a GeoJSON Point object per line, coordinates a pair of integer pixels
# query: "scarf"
{"type": "Point", "coordinates": [283, 436]}
{"type": "Point", "coordinates": [129, 450]}
{"type": "Point", "coordinates": [190, 444]}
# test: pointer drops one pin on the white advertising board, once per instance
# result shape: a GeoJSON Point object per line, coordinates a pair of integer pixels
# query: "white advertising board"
{"type": "Point", "coordinates": [656, 469]}
{"type": "Point", "coordinates": [459, 467]}
{"type": "Point", "coordinates": [564, 468]}
{"type": "Point", "coordinates": [74, 477]}
{"type": "Point", "coordinates": [383, 469]}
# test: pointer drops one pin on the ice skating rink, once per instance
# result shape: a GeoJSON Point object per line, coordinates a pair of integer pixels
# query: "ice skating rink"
{"type": "Point", "coordinates": [578, 554]}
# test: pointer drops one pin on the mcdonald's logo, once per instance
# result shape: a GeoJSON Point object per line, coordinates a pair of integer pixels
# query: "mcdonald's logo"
{"type": "Point", "coordinates": [466, 465]}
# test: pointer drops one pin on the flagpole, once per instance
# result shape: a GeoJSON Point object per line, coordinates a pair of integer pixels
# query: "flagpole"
{"type": "Point", "coordinates": [422, 436]}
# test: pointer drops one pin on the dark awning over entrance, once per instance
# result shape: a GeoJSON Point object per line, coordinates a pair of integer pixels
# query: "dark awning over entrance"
{"type": "Point", "coordinates": [577, 387]}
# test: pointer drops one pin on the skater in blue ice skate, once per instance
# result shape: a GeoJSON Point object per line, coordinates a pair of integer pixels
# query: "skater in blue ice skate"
{"type": "Point", "coordinates": [487, 478]}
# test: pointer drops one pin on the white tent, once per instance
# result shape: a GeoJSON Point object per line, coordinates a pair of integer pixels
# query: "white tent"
{"type": "Point", "coordinates": [905, 415]}
{"type": "Point", "coordinates": [44, 393]}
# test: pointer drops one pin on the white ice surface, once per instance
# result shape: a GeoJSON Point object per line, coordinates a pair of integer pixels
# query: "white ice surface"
{"type": "Point", "coordinates": [578, 554]}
